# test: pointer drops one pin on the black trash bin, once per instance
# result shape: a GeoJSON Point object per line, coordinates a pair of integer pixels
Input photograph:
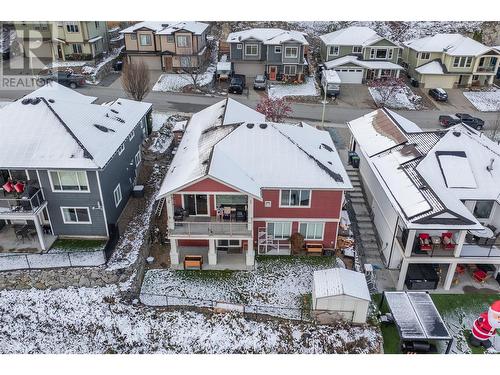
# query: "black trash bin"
{"type": "Point", "coordinates": [414, 82]}
{"type": "Point", "coordinates": [138, 191]}
{"type": "Point", "coordinates": [355, 160]}
{"type": "Point", "coordinates": [349, 157]}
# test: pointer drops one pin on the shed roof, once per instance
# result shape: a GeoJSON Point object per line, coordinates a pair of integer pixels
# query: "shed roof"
{"type": "Point", "coordinates": [340, 281]}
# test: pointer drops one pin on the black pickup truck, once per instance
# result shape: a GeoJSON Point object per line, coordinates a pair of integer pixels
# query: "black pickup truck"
{"type": "Point", "coordinates": [450, 120]}
{"type": "Point", "coordinates": [237, 84]}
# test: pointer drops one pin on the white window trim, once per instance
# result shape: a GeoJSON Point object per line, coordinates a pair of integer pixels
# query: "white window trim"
{"type": "Point", "coordinates": [150, 40]}
{"type": "Point", "coordinates": [373, 54]}
{"type": "Point", "coordinates": [422, 54]}
{"type": "Point", "coordinates": [68, 191]}
{"type": "Point", "coordinates": [280, 222]}
{"type": "Point", "coordinates": [276, 49]}
{"type": "Point", "coordinates": [360, 47]}
{"type": "Point", "coordinates": [307, 223]}
{"type": "Point", "coordinates": [239, 46]}
{"type": "Point", "coordinates": [182, 37]}
{"type": "Point", "coordinates": [488, 219]}
{"type": "Point", "coordinates": [295, 55]}
{"type": "Point", "coordinates": [208, 204]}
{"type": "Point", "coordinates": [330, 48]}
{"type": "Point", "coordinates": [133, 36]}
{"type": "Point", "coordinates": [121, 149]}
{"type": "Point", "coordinates": [251, 45]}
{"type": "Point", "coordinates": [228, 243]}
{"type": "Point", "coordinates": [290, 65]}
{"type": "Point", "coordinates": [118, 189]}
{"type": "Point", "coordinates": [299, 206]}
{"type": "Point", "coordinates": [131, 135]}
{"type": "Point", "coordinates": [137, 158]}
{"type": "Point", "coordinates": [76, 222]}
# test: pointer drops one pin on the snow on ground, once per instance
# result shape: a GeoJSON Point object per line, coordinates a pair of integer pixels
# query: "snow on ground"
{"type": "Point", "coordinates": [308, 88]}
{"type": "Point", "coordinates": [93, 71]}
{"type": "Point", "coordinates": [65, 64]}
{"type": "Point", "coordinates": [159, 119]}
{"type": "Point", "coordinates": [94, 320]}
{"type": "Point", "coordinates": [177, 82]}
{"type": "Point", "coordinates": [163, 123]}
{"type": "Point", "coordinates": [276, 281]}
{"type": "Point", "coordinates": [486, 101]}
{"type": "Point", "coordinates": [402, 99]}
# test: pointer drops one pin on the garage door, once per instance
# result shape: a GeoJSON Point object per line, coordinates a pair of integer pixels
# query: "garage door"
{"type": "Point", "coordinates": [350, 75]}
{"type": "Point", "coordinates": [443, 81]}
{"type": "Point", "coordinates": [152, 62]}
{"type": "Point", "coordinates": [250, 70]}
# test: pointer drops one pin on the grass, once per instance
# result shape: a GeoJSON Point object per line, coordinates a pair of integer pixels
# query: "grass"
{"type": "Point", "coordinates": [73, 245]}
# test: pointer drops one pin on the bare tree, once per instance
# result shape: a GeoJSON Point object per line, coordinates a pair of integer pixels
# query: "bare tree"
{"type": "Point", "coordinates": [136, 80]}
{"type": "Point", "coordinates": [275, 109]}
{"type": "Point", "coordinates": [386, 88]}
{"type": "Point", "coordinates": [195, 77]}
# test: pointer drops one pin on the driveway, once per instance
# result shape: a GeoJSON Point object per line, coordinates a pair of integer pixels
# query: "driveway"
{"type": "Point", "coordinates": [457, 102]}
{"type": "Point", "coordinates": [354, 96]}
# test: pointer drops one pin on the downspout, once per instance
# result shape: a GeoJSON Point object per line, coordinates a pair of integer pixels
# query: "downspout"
{"type": "Point", "coordinates": [392, 244]}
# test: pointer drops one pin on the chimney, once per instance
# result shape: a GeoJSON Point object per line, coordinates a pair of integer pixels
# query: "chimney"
{"type": "Point", "coordinates": [490, 167]}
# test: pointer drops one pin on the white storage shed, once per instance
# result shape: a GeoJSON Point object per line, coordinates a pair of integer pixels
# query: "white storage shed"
{"type": "Point", "coordinates": [342, 291]}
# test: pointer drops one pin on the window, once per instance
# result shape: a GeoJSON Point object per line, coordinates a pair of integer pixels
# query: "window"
{"type": "Point", "coordinates": [145, 39]}
{"type": "Point", "coordinates": [425, 55]}
{"type": "Point", "coordinates": [462, 61]}
{"type": "Point", "coordinates": [390, 54]}
{"type": "Point", "coordinates": [117, 194]}
{"type": "Point", "coordinates": [381, 53]}
{"type": "Point", "coordinates": [76, 215]}
{"type": "Point", "coordinates": [277, 49]}
{"type": "Point", "coordinates": [69, 180]}
{"type": "Point", "coordinates": [226, 244]}
{"type": "Point", "coordinates": [239, 46]}
{"type": "Point", "coordinates": [357, 49]}
{"type": "Point", "coordinates": [251, 49]}
{"type": "Point", "coordinates": [182, 41]}
{"type": "Point", "coordinates": [121, 149]}
{"type": "Point", "coordinates": [77, 48]}
{"type": "Point", "coordinates": [456, 62]}
{"type": "Point", "coordinates": [291, 198]}
{"type": "Point", "coordinates": [96, 23]}
{"type": "Point", "coordinates": [137, 158]}
{"type": "Point", "coordinates": [72, 27]}
{"type": "Point", "coordinates": [483, 209]}
{"type": "Point", "coordinates": [196, 204]}
{"type": "Point", "coordinates": [290, 69]}
{"type": "Point", "coordinates": [468, 62]}
{"type": "Point", "coordinates": [333, 50]}
{"type": "Point", "coordinates": [170, 39]}
{"type": "Point", "coordinates": [291, 52]}
{"type": "Point", "coordinates": [279, 230]}
{"type": "Point", "coordinates": [312, 230]}
{"type": "Point", "coordinates": [185, 61]}
{"type": "Point", "coordinates": [133, 37]}
{"type": "Point", "coordinates": [131, 135]}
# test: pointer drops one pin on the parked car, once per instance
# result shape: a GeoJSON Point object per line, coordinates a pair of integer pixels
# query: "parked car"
{"type": "Point", "coordinates": [450, 120]}
{"type": "Point", "coordinates": [260, 82]}
{"type": "Point", "coordinates": [439, 94]}
{"type": "Point", "coordinates": [69, 79]}
{"type": "Point", "coordinates": [237, 84]}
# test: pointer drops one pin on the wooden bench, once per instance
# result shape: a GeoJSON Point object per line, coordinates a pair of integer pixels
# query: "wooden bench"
{"type": "Point", "coordinates": [193, 262]}
{"type": "Point", "coordinates": [314, 248]}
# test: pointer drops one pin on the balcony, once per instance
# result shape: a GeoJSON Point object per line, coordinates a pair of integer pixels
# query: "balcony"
{"type": "Point", "coordinates": [486, 69]}
{"type": "Point", "coordinates": [480, 247]}
{"type": "Point", "coordinates": [208, 227]}
{"type": "Point", "coordinates": [16, 205]}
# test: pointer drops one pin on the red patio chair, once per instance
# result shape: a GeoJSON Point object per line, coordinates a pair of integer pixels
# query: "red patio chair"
{"type": "Point", "coordinates": [425, 242]}
{"type": "Point", "coordinates": [446, 241]}
{"type": "Point", "coordinates": [8, 187]}
{"type": "Point", "coordinates": [19, 187]}
{"type": "Point", "coordinates": [480, 276]}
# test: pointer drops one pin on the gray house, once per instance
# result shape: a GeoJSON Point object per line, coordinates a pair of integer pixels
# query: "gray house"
{"type": "Point", "coordinates": [278, 53]}
{"type": "Point", "coordinates": [67, 165]}
{"type": "Point", "coordinates": [359, 54]}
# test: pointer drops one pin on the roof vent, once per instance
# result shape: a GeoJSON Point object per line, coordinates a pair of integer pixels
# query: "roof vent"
{"type": "Point", "coordinates": [262, 126]}
{"type": "Point", "coordinates": [120, 103]}
{"type": "Point", "coordinates": [52, 101]}
{"type": "Point", "coordinates": [249, 126]}
{"type": "Point", "coordinates": [119, 119]}
{"type": "Point", "coordinates": [114, 111]}
{"type": "Point", "coordinates": [35, 101]}
{"type": "Point", "coordinates": [103, 128]}
{"type": "Point", "coordinates": [489, 168]}
{"type": "Point", "coordinates": [457, 134]}
{"type": "Point", "coordinates": [326, 147]}
{"type": "Point", "coordinates": [26, 101]}
{"type": "Point", "coordinates": [329, 162]}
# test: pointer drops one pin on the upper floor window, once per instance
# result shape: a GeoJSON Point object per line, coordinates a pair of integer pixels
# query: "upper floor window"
{"type": "Point", "coordinates": [291, 52]}
{"type": "Point", "coordinates": [137, 158]}
{"type": "Point", "coordinates": [145, 39]}
{"type": "Point", "coordinates": [311, 230]}
{"type": "Point", "coordinates": [117, 195]}
{"type": "Point", "coordinates": [390, 54]}
{"type": "Point", "coordinates": [425, 55]}
{"type": "Point", "coordinates": [239, 46]}
{"type": "Point", "coordinates": [277, 49]}
{"type": "Point", "coordinates": [295, 198]}
{"type": "Point", "coordinates": [133, 37]}
{"type": "Point", "coordinates": [381, 54]}
{"type": "Point", "coordinates": [121, 149]}
{"type": "Point", "coordinates": [182, 41]}
{"type": "Point", "coordinates": [483, 209]}
{"type": "Point", "coordinates": [76, 215]}
{"type": "Point", "coordinates": [170, 39]}
{"type": "Point", "coordinates": [357, 49]}
{"type": "Point", "coordinates": [72, 27]}
{"type": "Point", "coordinates": [462, 62]}
{"type": "Point", "coordinates": [96, 23]}
{"type": "Point", "coordinates": [251, 50]}
{"type": "Point", "coordinates": [334, 50]}
{"type": "Point", "coordinates": [69, 180]}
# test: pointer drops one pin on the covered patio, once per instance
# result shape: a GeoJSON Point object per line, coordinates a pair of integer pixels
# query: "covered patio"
{"type": "Point", "coordinates": [226, 260]}
{"type": "Point", "coordinates": [13, 239]}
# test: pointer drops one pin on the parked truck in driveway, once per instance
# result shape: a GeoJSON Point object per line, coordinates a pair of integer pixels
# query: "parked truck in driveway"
{"type": "Point", "coordinates": [464, 118]}
{"type": "Point", "coordinates": [237, 84]}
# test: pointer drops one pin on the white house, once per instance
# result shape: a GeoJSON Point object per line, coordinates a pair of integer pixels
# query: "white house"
{"type": "Point", "coordinates": [434, 195]}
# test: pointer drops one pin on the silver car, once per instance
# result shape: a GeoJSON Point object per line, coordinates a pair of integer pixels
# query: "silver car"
{"type": "Point", "coordinates": [260, 82]}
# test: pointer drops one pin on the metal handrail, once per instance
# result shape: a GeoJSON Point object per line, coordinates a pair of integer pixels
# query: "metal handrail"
{"type": "Point", "coordinates": [212, 228]}
{"type": "Point", "coordinates": [25, 204]}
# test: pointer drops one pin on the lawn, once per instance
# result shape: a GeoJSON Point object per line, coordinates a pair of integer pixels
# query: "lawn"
{"type": "Point", "coordinates": [458, 312]}
{"type": "Point", "coordinates": [76, 245]}
{"type": "Point", "coordinates": [308, 88]}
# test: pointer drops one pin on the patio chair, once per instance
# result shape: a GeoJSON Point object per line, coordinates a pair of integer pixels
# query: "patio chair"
{"type": "Point", "coordinates": [227, 213]}
{"type": "Point", "coordinates": [425, 242]}
{"type": "Point", "coordinates": [446, 241]}
{"type": "Point", "coordinates": [480, 276]}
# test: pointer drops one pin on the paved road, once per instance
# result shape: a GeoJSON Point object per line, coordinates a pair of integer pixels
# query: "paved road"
{"type": "Point", "coordinates": [304, 111]}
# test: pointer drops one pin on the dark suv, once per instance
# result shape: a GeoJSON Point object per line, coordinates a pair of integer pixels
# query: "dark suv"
{"type": "Point", "coordinates": [237, 84]}
{"type": "Point", "coordinates": [450, 120]}
{"type": "Point", "coordinates": [438, 94]}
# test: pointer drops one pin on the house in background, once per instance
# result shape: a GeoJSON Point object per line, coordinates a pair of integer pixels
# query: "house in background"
{"type": "Point", "coordinates": [359, 54]}
{"type": "Point", "coordinates": [434, 197]}
{"type": "Point", "coordinates": [280, 54]}
{"type": "Point", "coordinates": [168, 46]}
{"type": "Point", "coordinates": [239, 184]}
{"type": "Point", "coordinates": [67, 165]}
{"type": "Point", "coordinates": [450, 60]}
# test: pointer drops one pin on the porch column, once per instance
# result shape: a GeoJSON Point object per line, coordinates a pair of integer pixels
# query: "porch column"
{"type": "Point", "coordinates": [460, 243]}
{"type": "Point", "coordinates": [397, 73]}
{"type": "Point", "coordinates": [174, 253]}
{"type": "Point", "coordinates": [409, 242]}
{"type": "Point", "coordinates": [497, 270]}
{"type": "Point", "coordinates": [449, 276]}
{"type": "Point", "coordinates": [169, 201]}
{"type": "Point", "coordinates": [379, 73]}
{"type": "Point", "coordinates": [212, 253]}
{"type": "Point", "coordinates": [402, 274]}
{"type": "Point", "coordinates": [490, 79]}
{"type": "Point", "coordinates": [39, 232]}
{"type": "Point", "coordinates": [250, 213]}
{"type": "Point", "coordinates": [250, 256]}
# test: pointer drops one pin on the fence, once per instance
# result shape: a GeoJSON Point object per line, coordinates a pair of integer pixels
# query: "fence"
{"type": "Point", "coordinates": [52, 260]}
{"type": "Point", "coordinates": [293, 313]}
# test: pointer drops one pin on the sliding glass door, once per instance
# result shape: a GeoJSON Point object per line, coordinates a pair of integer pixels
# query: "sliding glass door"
{"type": "Point", "coordinates": [196, 204]}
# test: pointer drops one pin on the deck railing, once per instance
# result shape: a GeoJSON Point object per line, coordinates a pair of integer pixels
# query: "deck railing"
{"type": "Point", "coordinates": [209, 228]}
{"type": "Point", "coordinates": [13, 204]}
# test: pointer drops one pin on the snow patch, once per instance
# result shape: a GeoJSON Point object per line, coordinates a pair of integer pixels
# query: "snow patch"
{"type": "Point", "coordinates": [485, 101]}
{"type": "Point", "coordinates": [308, 88]}
{"type": "Point", "coordinates": [404, 98]}
{"type": "Point", "coordinates": [177, 82]}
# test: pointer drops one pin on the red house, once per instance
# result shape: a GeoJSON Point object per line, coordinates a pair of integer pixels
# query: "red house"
{"type": "Point", "coordinates": [239, 184]}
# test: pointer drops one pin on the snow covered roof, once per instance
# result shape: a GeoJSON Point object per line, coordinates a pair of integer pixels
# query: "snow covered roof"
{"type": "Point", "coordinates": [452, 44]}
{"type": "Point", "coordinates": [52, 131]}
{"type": "Point", "coordinates": [154, 26]}
{"type": "Point", "coordinates": [368, 64]}
{"type": "Point", "coordinates": [95, 39]}
{"type": "Point", "coordinates": [268, 36]}
{"type": "Point", "coordinates": [53, 90]}
{"type": "Point", "coordinates": [232, 143]}
{"type": "Point", "coordinates": [223, 66]}
{"type": "Point", "coordinates": [433, 67]}
{"type": "Point", "coordinates": [409, 166]}
{"type": "Point", "coordinates": [340, 281]}
{"type": "Point", "coordinates": [351, 36]}
{"type": "Point", "coordinates": [191, 26]}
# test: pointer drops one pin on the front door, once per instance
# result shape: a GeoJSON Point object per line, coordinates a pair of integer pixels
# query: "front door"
{"type": "Point", "coordinates": [273, 70]}
{"type": "Point", "coordinates": [196, 204]}
{"type": "Point", "coordinates": [59, 51]}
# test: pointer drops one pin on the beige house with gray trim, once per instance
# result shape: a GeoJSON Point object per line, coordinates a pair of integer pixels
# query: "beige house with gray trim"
{"type": "Point", "coordinates": [450, 60]}
{"type": "Point", "coordinates": [167, 46]}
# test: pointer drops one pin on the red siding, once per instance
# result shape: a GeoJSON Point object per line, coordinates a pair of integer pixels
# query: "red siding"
{"type": "Point", "coordinates": [200, 243]}
{"type": "Point", "coordinates": [208, 185]}
{"type": "Point", "coordinates": [325, 204]}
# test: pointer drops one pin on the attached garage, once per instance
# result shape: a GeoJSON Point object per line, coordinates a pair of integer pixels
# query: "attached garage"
{"type": "Point", "coordinates": [350, 75]}
{"type": "Point", "coordinates": [430, 81]}
{"type": "Point", "coordinates": [152, 62]}
{"type": "Point", "coordinates": [249, 69]}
